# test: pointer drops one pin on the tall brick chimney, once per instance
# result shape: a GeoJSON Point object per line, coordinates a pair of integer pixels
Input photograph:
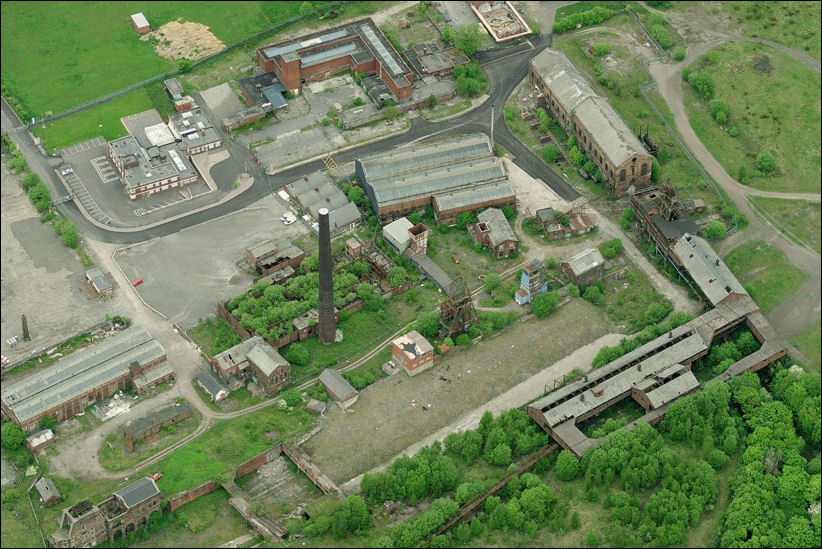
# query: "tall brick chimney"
{"type": "Point", "coordinates": [326, 323]}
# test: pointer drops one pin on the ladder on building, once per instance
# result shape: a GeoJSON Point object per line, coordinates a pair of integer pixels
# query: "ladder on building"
{"type": "Point", "coordinates": [329, 162]}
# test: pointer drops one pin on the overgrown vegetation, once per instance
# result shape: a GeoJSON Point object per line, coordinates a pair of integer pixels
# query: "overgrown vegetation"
{"type": "Point", "coordinates": [649, 333]}
{"type": "Point", "coordinates": [213, 336]}
{"type": "Point", "coordinates": [764, 272]}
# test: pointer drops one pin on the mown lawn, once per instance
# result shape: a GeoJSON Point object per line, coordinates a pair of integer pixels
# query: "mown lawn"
{"type": "Point", "coordinates": [773, 103]}
{"type": "Point", "coordinates": [764, 273]}
{"type": "Point", "coordinates": [799, 220]}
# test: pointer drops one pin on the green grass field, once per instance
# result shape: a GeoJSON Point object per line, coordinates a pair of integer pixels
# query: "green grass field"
{"type": "Point", "coordinates": [100, 120]}
{"type": "Point", "coordinates": [91, 48]}
{"type": "Point", "coordinates": [799, 220]}
{"type": "Point", "coordinates": [762, 269]}
{"type": "Point", "coordinates": [809, 344]}
{"type": "Point", "coordinates": [227, 444]}
{"type": "Point", "coordinates": [774, 109]}
{"type": "Point", "coordinates": [795, 24]}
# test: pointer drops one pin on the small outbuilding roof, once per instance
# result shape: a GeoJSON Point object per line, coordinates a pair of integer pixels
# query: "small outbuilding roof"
{"type": "Point", "coordinates": [266, 358]}
{"type": "Point", "coordinates": [413, 344]}
{"type": "Point", "coordinates": [46, 489]}
{"type": "Point", "coordinates": [210, 384]}
{"type": "Point", "coordinates": [336, 385]}
{"type": "Point", "coordinates": [584, 261]}
{"type": "Point", "coordinates": [499, 230]}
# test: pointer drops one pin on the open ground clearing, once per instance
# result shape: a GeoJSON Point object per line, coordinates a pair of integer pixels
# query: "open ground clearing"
{"type": "Point", "coordinates": [795, 24]}
{"type": "Point", "coordinates": [764, 273]}
{"type": "Point", "coordinates": [384, 422]}
{"type": "Point", "coordinates": [798, 220]}
{"type": "Point", "coordinates": [809, 343]}
{"type": "Point", "coordinates": [773, 107]}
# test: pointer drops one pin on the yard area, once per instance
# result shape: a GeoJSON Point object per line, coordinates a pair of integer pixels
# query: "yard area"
{"type": "Point", "coordinates": [764, 273]}
{"type": "Point", "coordinates": [114, 456]}
{"type": "Point", "coordinates": [768, 90]}
{"type": "Point", "coordinates": [795, 24]}
{"type": "Point", "coordinates": [799, 220]}
{"type": "Point", "coordinates": [628, 295]}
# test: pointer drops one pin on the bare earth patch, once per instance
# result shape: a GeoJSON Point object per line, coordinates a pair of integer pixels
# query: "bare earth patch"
{"type": "Point", "coordinates": [178, 40]}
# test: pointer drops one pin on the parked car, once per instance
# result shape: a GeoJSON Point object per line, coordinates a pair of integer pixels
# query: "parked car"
{"type": "Point", "coordinates": [67, 171]}
{"type": "Point", "coordinates": [288, 218]}
{"type": "Point", "coordinates": [137, 282]}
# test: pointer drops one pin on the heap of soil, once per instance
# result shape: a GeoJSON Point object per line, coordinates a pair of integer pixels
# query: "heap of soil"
{"type": "Point", "coordinates": [178, 40]}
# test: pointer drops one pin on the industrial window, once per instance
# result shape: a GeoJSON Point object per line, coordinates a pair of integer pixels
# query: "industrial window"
{"type": "Point", "coordinates": [622, 175]}
{"type": "Point", "coordinates": [643, 170]}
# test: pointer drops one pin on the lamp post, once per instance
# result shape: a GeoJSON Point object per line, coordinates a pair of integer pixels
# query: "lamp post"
{"type": "Point", "coordinates": [493, 149]}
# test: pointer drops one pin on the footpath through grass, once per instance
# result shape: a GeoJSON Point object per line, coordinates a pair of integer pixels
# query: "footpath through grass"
{"type": "Point", "coordinates": [799, 220]}
{"type": "Point", "coordinates": [764, 273]}
{"type": "Point", "coordinates": [772, 107]}
{"type": "Point", "coordinates": [795, 24]}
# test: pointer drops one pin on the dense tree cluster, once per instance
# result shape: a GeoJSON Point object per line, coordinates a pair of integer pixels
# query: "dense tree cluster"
{"type": "Point", "coordinates": [773, 492]}
{"type": "Point", "coordinates": [427, 473]}
{"type": "Point", "coordinates": [499, 440]}
{"type": "Point", "coordinates": [594, 16]}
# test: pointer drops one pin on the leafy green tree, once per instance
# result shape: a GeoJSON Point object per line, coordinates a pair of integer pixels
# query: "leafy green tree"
{"type": "Point", "coordinates": [463, 339]}
{"type": "Point", "coordinates": [576, 157]}
{"type": "Point", "coordinates": [48, 422]}
{"type": "Point", "coordinates": [467, 39]}
{"type": "Point", "coordinates": [499, 456]}
{"type": "Point", "coordinates": [594, 294]}
{"type": "Point", "coordinates": [610, 248]}
{"type": "Point", "coordinates": [306, 9]}
{"type": "Point", "coordinates": [679, 53]}
{"type": "Point", "coordinates": [428, 324]}
{"type": "Point", "coordinates": [567, 466]}
{"type": "Point", "coordinates": [465, 218]}
{"type": "Point", "coordinates": [397, 276]}
{"type": "Point", "coordinates": [12, 436]}
{"type": "Point", "coordinates": [356, 195]}
{"type": "Point", "coordinates": [492, 282]}
{"type": "Point", "coordinates": [765, 162]}
{"type": "Point", "coordinates": [297, 354]}
{"type": "Point", "coordinates": [702, 83]}
{"type": "Point", "coordinates": [310, 262]}
{"type": "Point", "coordinates": [715, 230]}
{"type": "Point", "coordinates": [544, 303]}
{"type": "Point", "coordinates": [550, 153]}
{"type": "Point", "coordinates": [184, 65]}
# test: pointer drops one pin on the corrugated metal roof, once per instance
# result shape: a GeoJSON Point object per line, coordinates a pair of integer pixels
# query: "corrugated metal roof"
{"type": "Point", "coordinates": [330, 53]}
{"type": "Point", "coordinates": [612, 135]}
{"type": "Point", "coordinates": [439, 180]}
{"type": "Point", "coordinates": [584, 261]}
{"type": "Point", "coordinates": [75, 364]}
{"type": "Point", "coordinates": [398, 230]}
{"type": "Point", "coordinates": [87, 380]}
{"type": "Point", "coordinates": [473, 195]}
{"type": "Point", "coordinates": [420, 157]}
{"type": "Point", "coordinates": [160, 416]}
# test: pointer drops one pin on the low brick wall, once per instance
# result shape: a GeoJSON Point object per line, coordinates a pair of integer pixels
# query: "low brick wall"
{"type": "Point", "coordinates": [188, 496]}
{"type": "Point", "coordinates": [258, 461]}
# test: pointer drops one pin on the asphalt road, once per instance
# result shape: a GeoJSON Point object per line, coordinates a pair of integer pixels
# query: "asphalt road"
{"type": "Point", "coordinates": [504, 69]}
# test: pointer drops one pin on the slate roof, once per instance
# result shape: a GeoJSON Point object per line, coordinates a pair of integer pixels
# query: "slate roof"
{"type": "Point", "coordinates": [266, 358]}
{"type": "Point", "coordinates": [705, 267]}
{"type": "Point", "coordinates": [584, 261]}
{"type": "Point", "coordinates": [499, 230]}
{"type": "Point", "coordinates": [562, 77]}
{"type": "Point", "coordinates": [613, 136]}
{"type": "Point", "coordinates": [138, 492]}
{"type": "Point", "coordinates": [46, 489]}
{"type": "Point", "coordinates": [336, 385]}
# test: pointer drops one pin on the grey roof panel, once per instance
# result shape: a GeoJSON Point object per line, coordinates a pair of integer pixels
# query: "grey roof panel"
{"type": "Point", "coordinates": [614, 137]}
{"type": "Point", "coordinates": [584, 261]}
{"type": "Point", "coordinates": [704, 266]}
{"type": "Point", "coordinates": [138, 492]}
{"type": "Point", "coordinates": [337, 385]}
{"type": "Point", "coordinates": [499, 229]}
{"type": "Point", "coordinates": [478, 194]}
{"type": "Point", "coordinates": [266, 358]}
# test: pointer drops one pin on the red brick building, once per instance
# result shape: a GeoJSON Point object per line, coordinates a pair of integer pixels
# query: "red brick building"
{"type": "Point", "coordinates": [359, 47]}
{"type": "Point", "coordinates": [413, 352]}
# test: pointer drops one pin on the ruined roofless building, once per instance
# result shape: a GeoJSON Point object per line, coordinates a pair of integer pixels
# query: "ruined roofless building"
{"type": "Point", "coordinates": [327, 324]}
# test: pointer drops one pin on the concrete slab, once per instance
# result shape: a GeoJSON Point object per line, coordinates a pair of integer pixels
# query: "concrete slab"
{"type": "Point", "coordinates": [222, 101]}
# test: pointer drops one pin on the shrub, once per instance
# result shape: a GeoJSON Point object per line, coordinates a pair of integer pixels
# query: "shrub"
{"type": "Point", "coordinates": [586, 18]}
{"type": "Point", "coordinates": [463, 339]}
{"type": "Point", "coordinates": [661, 35]}
{"type": "Point", "coordinates": [686, 73]}
{"type": "Point", "coordinates": [544, 303]}
{"type": "Point", "coordinates": [610, 248]}
{"type": "Point", "coordinates": [702, 84]}
{"type": "Point", "coordinates": [428, 324]}
{"type": "Point", "coordinates": [550, 153]}
{"type": "Point", "coordinates": [297, 354]}
{"type": "Point", "coordinates": [594, 294]}
{"type": "Point", "coordinates": [715, 230]}
{"type": "Point", "coordinates": [717, 107]}
{"type": "Point", "coordinates": [679, 53]}
{"type": "Point", "coordinates": [765, 162]}
{"type": "Point", "coordinates": [603, 48]}
{"type": "Point", "coordinates": [397, 276]}
{"type": "Point", "coordinates": [492, 282]}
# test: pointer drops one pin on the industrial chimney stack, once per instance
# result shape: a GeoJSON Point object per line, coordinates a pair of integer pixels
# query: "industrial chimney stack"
{"type": "Point", "coordinates": [327, 325]}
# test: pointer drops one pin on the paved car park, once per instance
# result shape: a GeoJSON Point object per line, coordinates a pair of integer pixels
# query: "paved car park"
{"type": "Point", "coordinates": [186, 273]}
